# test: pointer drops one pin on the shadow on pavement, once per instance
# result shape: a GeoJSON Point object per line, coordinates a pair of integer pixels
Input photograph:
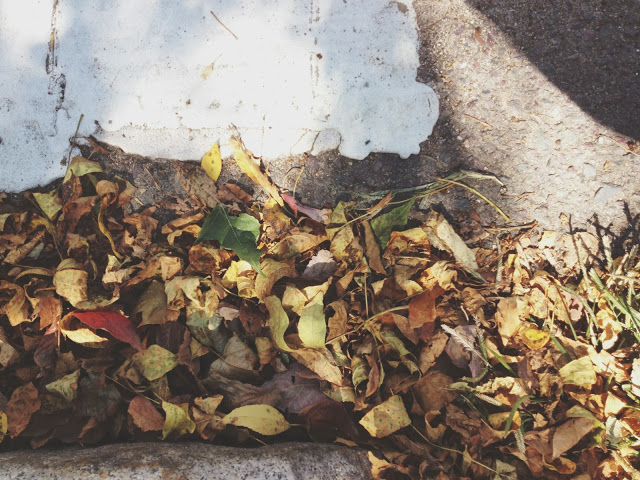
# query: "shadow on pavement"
{"type": "Point", "coordinates": [590, 49]}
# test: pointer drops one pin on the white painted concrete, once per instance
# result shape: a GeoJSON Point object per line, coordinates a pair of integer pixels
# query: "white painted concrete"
{"type": "Point", "coordinates": [164, 78]}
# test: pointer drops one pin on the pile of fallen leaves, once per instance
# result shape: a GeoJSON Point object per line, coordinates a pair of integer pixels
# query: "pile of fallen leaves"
{"type": "Point", "coordinates": [262, 322]}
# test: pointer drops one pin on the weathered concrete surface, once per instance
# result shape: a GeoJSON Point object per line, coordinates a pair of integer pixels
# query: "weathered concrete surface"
{"type": "Point", "coordinates": [167, 79]}
{"type": "Point", "coordinates": [544, 94]}
{"type": "Point", "coordinates": [188, 461]}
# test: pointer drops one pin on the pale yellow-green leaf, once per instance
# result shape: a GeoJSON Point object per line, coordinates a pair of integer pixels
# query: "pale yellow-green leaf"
{"type": "Point", "coordinates": [578, 372]}
{"type": "Point", "coordinates": [294, 299]}
{"type": "Point", "coordinates": [49, 203]}
{"type": "Point", "coordinates": [278, 322]}
{"type": "Point", "coordinates": [82, 336]}
{"type": "Point", "coordinates": [312, 326]}
{"type": "Point", "coordinates": [263, 419]}
{"type": "Point", "coordinates": [386, 418]}
{"type": "Point", "coordinates": [154, 362]}
{"type": "Point", "coordinates": [66, 387]}
{"type": "Point", "coordinates": [240, 275]}
{"type": "Point", "coordinates": [177, 421]}
{"type": "Point", "coordinates": [70, 281]}
{"type": "Point", "coordinates": [444, 237]}
{"type": "Point", "coordinates": [212, 162]}
{"type": "Point", "coordinates": [80, 166]}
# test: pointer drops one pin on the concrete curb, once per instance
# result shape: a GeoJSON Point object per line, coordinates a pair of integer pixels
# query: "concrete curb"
{"type": "Point", "coordinates": [187, 461]}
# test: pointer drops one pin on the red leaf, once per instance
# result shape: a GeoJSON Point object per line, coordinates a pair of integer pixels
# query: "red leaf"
{"type": "Point", "coordinates": [320, 216]}
{"type": "Point", "coordinates": [113, 322]}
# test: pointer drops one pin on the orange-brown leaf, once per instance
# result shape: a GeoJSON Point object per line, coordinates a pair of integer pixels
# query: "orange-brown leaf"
{"type": "Point", "coordinates": [24, 402]}
{"type": "Point", "coordinates": [145, 415]}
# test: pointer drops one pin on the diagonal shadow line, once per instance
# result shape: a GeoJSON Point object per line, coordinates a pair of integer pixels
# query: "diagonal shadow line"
{"type": "Point", "coordinates": [590, 49]}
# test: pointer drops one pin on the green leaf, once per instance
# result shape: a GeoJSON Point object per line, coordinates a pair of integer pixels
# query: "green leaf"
{"type": "Point", "coordinates": [239, 234]}
{"type": "Point", "coordinates": [154, 362]}
{"type": "Point", "coordinates": [392, 221]}
{"type": "Point", "coordinates": [177, 421]}
{"type": "Point", "coordinates": [278, 322]}
{"type": "Point", "coordinates": [312, 326]}
{"type": "Point", "coordinates": [263, 419]}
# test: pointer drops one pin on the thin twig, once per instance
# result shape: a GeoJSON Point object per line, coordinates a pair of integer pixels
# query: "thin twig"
{"type": "Point", "coordinates": [75, 136]}
{"type": "Point", "coordinates": [488, 125]}
{"type": "Point", "coordinates": [225, 27]}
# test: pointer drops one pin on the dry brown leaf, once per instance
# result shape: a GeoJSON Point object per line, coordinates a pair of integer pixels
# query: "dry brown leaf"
{"type": "Point", "coordinates": [432, 392]}
{"type": "Point", "coordinates": [510, 316]}
{"type": "Point", "coordinates": [23, 403]}
{"type": "Point", "coordinates": [422, 312]}
{"type": "Point", "coordinates": [321, 362]}
{"type": "Point", "coordinates": [13, 303]}
{"type": "Point", "coordinates": [247, 163]}
{"type": "Point", "coordinates": [372, 250]}
{"type": "Point", "coordinates": [273, 271]}
{"type": "Point", "coordinates": [567, 435]}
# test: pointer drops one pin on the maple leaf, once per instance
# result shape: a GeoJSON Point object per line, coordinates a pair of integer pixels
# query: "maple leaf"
{"type": "Point", "coordinates": [234, 233]}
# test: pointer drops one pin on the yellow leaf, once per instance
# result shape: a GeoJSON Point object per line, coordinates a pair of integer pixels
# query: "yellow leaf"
{"type": "Point", "coordinates": [386, 418]}
{"type": "Point", "coordinates": [152, 304]}
{"type": "Point", "coordinates": [240, 275]}
{"type": "Point", "coordinates": [442, 236]}
{"type": "Point", "coordinates": [294, 299]}
{"type": "Point", "coordinates": [177, 421]}
{"type": "Point", "coordinates": [535, 339]}
{"type": "Point", "coordinates": [278, 322]}
{"type": "Point", "coordinates": [312, 326]}
{"type": "Point", "coordinates": [263, 419]}
{"type": "Point", "coordinates": [3, 425]}
{"type": "Point", "coordinates": [212, 162]}
{"type": "Point", "coordinates": [245, 161]}
{"type": "Point", "coordinates": [273, 271]}
{"type": "Point", "coordinates": [205, 418]}
{"type": "Point", "coordinates": [80, 166]}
